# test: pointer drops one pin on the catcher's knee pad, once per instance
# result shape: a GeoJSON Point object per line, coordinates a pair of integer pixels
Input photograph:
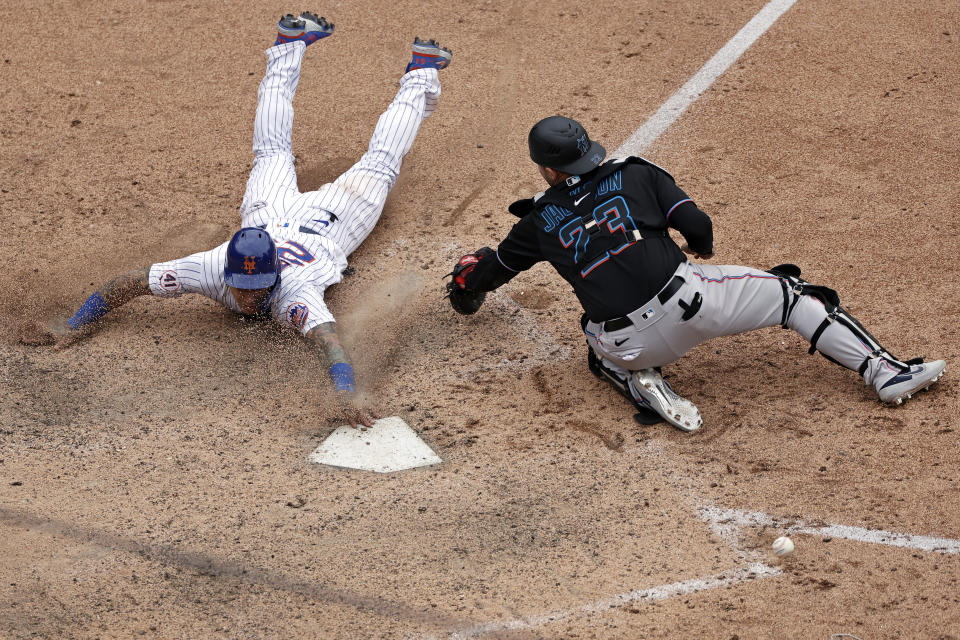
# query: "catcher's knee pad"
{"type": "Point", "coordinates": [795, 287]}
{"type": "Point", "coordinates": [792, 283]}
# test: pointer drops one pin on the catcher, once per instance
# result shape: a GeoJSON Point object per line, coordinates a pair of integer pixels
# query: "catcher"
{"type": "Point", "coordinates": [603, 227]}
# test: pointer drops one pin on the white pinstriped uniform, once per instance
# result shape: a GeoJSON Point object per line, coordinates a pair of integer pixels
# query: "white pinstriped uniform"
{"type": "Point", "coordinates": [342, 213]}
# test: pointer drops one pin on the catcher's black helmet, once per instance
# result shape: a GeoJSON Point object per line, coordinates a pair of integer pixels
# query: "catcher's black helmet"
{"type": "Point", "coordinates": [562, 144]}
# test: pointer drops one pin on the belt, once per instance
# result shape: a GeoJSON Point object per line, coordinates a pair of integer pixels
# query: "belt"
{"type": "Point", "coordinates": [333, 218]}
{"type": "Point", "coordinates": [665, 294]}
{"type": "Point", "coordinates": [301, 230]}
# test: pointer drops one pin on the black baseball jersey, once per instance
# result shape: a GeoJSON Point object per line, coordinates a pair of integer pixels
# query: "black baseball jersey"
{"type": "Point", "coordinates": [605, 232]}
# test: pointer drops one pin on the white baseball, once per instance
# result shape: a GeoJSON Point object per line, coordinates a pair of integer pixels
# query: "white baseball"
{"type": "Point", "coordinates": [782, 546]}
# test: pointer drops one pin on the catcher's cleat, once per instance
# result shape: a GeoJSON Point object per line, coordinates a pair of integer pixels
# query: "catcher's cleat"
{"type": "Point", "coordinates": [308, 28]}
{"type": "Point", "coordinates": [428, 54]}
{"type": "Point", "coordinates": [647, 385]}
{"type": "Point", "coordinates": [645, 413]}
{"type": "Point", "coordinates": [903, 385]}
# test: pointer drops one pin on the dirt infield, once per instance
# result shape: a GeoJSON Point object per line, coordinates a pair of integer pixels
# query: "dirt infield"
{"type": "Point", "coordinates": [153, 478]}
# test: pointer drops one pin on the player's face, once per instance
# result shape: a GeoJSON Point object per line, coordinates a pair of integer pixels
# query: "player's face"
{"type": "Point", "coordinates": [249, 299]}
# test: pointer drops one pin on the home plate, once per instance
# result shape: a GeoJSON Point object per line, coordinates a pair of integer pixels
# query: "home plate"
{"type": "Point", "coordinates": [389, 445]}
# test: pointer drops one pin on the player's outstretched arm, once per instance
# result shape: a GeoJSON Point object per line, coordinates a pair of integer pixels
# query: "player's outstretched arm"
{"type": "Point", "coordinates": [64, 331]}
{"type": "Point", "coordinates": [351, 407]}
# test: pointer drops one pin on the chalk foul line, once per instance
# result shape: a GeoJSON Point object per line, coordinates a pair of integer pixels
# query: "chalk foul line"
{"type": "Point", "coordinates": [686, 95]}
{"type": "Point", "coordinates": [725, 519]}
{"type": "Point", "coordinates": [727, 524]}
{"type": "Point", "coordinates": [643, 596]}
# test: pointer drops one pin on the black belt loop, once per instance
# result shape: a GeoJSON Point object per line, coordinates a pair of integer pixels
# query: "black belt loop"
{"type": "Point", "coordinates": [866, 362]}
{"type": "Point", "coordinates": [668, 291]}
{"type": "Point", "coordinates": [664, 296]}
{"type": "Point", "coordinates": [617, 323]}
{"type": "Point", "coordinates": [798, 291]}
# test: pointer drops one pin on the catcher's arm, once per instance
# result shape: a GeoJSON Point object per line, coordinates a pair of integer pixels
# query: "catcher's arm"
{"type": "Point", "coordinates": [696, 228]}
{"type": "Point", "coordinates": [684, 216]}
{"type": "Point", "coordinates": [485, 269]}
{"type": "Point", "coordinates": [118, 291]}
{"type": "Point", "coordinates": [350, 405]}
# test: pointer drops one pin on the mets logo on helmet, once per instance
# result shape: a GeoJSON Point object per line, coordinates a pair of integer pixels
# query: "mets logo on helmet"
{"type": "Point", "coordinates": [249, 264]}
{"type": "Point", "coordinates": [169, 281]}
{"type": "Point", "coordinates": [297, 314]}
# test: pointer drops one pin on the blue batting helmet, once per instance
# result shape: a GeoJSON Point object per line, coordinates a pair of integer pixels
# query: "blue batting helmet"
{"type": "Point", "coordinates": [252, 261]}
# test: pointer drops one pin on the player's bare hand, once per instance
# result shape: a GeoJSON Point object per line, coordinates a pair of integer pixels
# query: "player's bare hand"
{"type": "Point", "coordinates": [699, 256]}
{"type": "Point", "coordinates": [355, 411]}
{"type": "Point", "coordinates": [57, 333]}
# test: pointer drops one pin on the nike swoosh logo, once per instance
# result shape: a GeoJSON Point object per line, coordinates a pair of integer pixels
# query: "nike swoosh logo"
{"type": "Point", "coordinates": [323, 222]}
{"type": "Point", "coordinates": [620, 342]}
{"type": "Point", "coordinates": [576, 202]}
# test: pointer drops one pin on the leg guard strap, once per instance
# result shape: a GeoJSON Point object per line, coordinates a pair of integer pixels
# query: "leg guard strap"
{"type": "Point", "coordinates": [787, 273]}
{"type": "Point", "coordinates": [840, 315]}
{"type": "Point", "coordinates": [823, 327]}
{"type": "Point", "coordinates": [790, 279]}
{"type": "Point", "coordinates": [786, 302]}
{"type": "Point", "coordinates": [880, 353]}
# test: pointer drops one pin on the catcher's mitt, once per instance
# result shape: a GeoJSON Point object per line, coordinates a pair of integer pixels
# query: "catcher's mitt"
{"type": "Point", "coordinates": [462, 299]}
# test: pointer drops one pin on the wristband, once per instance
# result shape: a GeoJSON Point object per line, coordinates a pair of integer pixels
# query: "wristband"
{"type": "Point", "coordinates": [342, 375]}
{"type": "Point", "coordinates": [93, 309]}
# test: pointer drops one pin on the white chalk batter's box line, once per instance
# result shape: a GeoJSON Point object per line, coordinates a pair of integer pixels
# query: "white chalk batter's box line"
{"type": "Point", "coordinates": [725, 522]}
{"type": "Point", "coordinates": [653, 594]}
{"type": "Point", "coordinates": [721, 518]}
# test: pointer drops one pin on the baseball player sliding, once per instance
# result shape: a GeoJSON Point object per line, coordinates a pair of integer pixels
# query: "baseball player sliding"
{"type": "Point", "coordinates": [603, 226]}
{"type": "Point", "coordinates": [292, 245]}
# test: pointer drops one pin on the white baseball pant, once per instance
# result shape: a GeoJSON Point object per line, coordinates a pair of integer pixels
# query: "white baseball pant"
{"type": "Point", "coordinates": [735, 299]}
{"type": "Point", "coordinates": [346, 210]}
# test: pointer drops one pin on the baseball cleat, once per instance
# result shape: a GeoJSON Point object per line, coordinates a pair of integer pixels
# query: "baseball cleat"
{"type": "Point", "coordinates": [647, 385]}
{"type": "Point", "coordinates": [307, 28]}
{"type": "Point", "coordinates": [645, 414]}
{"type": "Point", "coordinates": [428, 54]}
{"type": "Point", "coordinates": [903, 385]}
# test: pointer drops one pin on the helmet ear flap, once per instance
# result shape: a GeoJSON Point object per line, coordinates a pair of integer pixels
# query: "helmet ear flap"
{"type": "Point", "coordinates": [251, 261]}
